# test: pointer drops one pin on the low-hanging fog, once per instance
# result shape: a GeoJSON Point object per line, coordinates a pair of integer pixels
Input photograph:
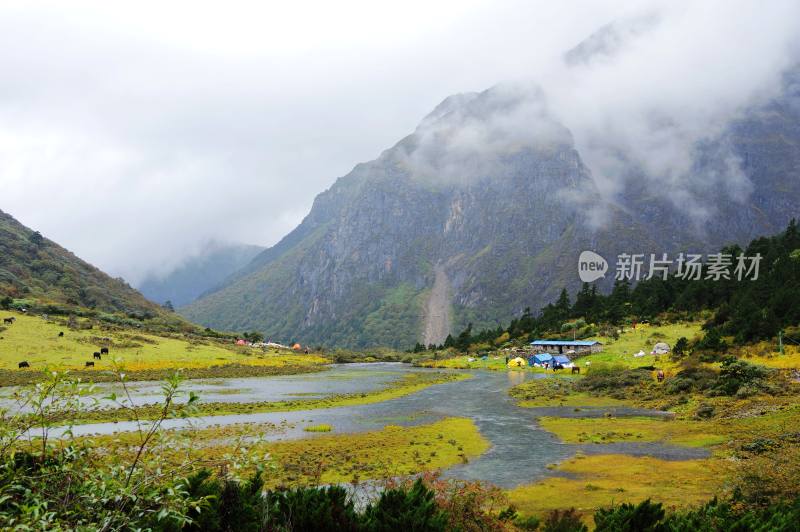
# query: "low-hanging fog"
{"type": "Point", "coordinates": [134, 135]}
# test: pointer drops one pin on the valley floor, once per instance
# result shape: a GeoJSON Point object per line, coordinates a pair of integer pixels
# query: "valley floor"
{"type": "Point", "coordinates": [596, 447]}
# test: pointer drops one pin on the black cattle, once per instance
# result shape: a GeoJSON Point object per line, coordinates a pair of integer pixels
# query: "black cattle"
{"type": "Point", "coordinates": [103, 350]}
{"type": "Point", "coordinates": [8, 321]}
{"type": "Point", "coordinates": [24, 364]}
{"type": "Point", "coordinates": [61, 334]}
{"type": "Point", "coordinates": [97, 356]}
{"type": "Point", "coordinates": [557, 367]}
{"type": "Point", "coordinates": [90, 364]}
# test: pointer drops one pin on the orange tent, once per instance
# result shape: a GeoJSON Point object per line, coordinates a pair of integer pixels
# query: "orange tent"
{"type": "Point", "coordinates": [297, 347]}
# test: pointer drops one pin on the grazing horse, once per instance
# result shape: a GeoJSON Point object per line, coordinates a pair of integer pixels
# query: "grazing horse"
{"type": "Point", "coordinates": [61, 334]}
{"type": "Point", "coordinates": [576, 369]}
{"type": "Point", "coordinates": [103, 350]}
{"type": "Point", "coordinates": [9, 321]}
{"type": "Point", "coordinates": [660, 375]}
{"type": "Point", "coordinates": [24, 364]}
{"type": "Point", "coordinates": [97, 356]}
{"type": "Point", "coordinates": [89, 365]}
{"type": "Point", "coordinates": [557, 367]}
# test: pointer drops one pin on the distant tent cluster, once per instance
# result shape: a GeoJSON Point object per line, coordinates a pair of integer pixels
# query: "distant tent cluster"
{"type": "Point", "coordinates": [554, 353]}
{"type": "Point", "coordinates": [271, 344]}
{"type": "Point", "coordinates": [548, 360]}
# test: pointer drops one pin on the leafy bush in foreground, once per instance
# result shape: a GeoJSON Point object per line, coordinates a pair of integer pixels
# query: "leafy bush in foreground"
{"type": "Point", "coordinates": [712, 517]}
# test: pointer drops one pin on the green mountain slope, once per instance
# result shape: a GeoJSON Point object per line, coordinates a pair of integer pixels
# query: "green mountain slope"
{"type": "Point", "coordinates": [33, 267]}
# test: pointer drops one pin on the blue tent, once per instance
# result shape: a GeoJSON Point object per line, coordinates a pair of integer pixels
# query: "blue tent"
{"type": "Point", "coordinates": [541, 358]}
{"type": "Point", "coordinates": [561, 359]}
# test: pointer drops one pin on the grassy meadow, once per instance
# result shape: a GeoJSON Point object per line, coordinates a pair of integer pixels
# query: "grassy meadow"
{"type": "Point", "coordinates": [322, 459]}
{"type": "Point", "coordinates": [36, 340]}
{"type": "Point", "coordinates": [620, 352]}
{"type": "Point", "coordinates": [590, 482]}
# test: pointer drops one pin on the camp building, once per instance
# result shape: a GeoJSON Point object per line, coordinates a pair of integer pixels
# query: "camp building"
{"type": "Point", "coordinates": [567, 347]}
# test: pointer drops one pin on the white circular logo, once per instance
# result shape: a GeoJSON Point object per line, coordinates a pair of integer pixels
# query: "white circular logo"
{"type": "Point", "coordinates": [591, 266]}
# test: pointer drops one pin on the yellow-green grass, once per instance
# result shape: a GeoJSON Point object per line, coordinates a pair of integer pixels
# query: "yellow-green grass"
{"type": "Point", "coordinates": [408, 384]}
{"type": "Point", "coordinates": [603, 480]}
{"type": "Point", "coordinates": [627, 429]}
{"type": "Point", "coordinates": [463, 362]}
{"type": "Point", "coordinates": [36, 341]}
{"type": "Point", "coordinates": [620, 352]}
{"type": "Point", "coordinates": [326, 459]}
{"type": "Point", "coordinates": [557, 391]}
{"type": "Point", "coordinates": [764, 353]}
{"type": "Point", "coordinates": [392, 451]}
{"type": "Point", "coordinates": [576, 399]}
{"type": "Point", "coordinates": [323, 427]}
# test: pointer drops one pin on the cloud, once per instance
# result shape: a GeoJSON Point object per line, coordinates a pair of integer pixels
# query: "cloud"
{"type": "Point", "coordinates": [675, 83]}
{"type": "Point", "coordinates": [133, 134]}
{"type": "Point", "coordinates": [470, 137]}
{"type": "Point", "coordinates": [648, 97]}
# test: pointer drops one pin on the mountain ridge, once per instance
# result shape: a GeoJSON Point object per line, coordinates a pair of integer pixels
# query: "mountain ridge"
{"type": "Point", "coordinates": [493, 190]}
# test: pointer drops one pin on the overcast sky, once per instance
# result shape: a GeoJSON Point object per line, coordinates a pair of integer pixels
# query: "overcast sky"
{"type": "Point", "coordinates": [133, 133]}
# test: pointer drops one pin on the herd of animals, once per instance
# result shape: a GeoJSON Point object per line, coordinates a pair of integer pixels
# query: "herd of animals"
{"type": "Point", "coordinates": [97, 355]}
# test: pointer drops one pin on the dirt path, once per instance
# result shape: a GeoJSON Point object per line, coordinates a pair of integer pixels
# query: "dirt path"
{"type": "Point", "coordinates": [437, 311]}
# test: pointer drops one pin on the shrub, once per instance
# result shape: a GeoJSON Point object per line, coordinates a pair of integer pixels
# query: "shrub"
{"type": "Point", "coordinates": [398, 509]}
{"type": "Point", "coordinates": [734, 374]}
{"type": "Point", "coordinates": [564, 521]}
{"type": "Point", "coordinates": [705, 411]}
{"type": "Point", "coordinates": [712, 341]}
{"type": "Point", "coordinates": [612, 380]}
{"type": "Point", "coordinates": [681, 347]}
{"type": "Point", "coordinates": [643, 517]}
{"type": "Point", "coordinates": [692, 379]}
{"type": "Point", "coordinates": [322, 509]}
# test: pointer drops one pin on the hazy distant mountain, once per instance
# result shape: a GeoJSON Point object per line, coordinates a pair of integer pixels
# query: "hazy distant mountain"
{"type": "Point", "coordinates": [33, 267]}
{"type": "Point", "coordinates": [610, 39]}
{"type": "Point", "coordinates": [483, 211]}
{"type": "Point", "coordinates": [199, 274]}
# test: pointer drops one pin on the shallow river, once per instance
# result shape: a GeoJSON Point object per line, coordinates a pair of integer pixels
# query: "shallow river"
{"type": "Point", "coordinates": [520, 450]}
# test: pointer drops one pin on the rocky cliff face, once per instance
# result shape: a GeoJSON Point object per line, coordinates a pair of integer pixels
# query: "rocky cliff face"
{"type": "Point", "coordinates": [481, 212]}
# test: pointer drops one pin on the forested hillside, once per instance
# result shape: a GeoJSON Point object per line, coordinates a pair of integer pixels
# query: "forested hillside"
{"type": "Point", "coordinates": [36, 268]}
{"type": "Point", "coordinates": [745, 310]}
